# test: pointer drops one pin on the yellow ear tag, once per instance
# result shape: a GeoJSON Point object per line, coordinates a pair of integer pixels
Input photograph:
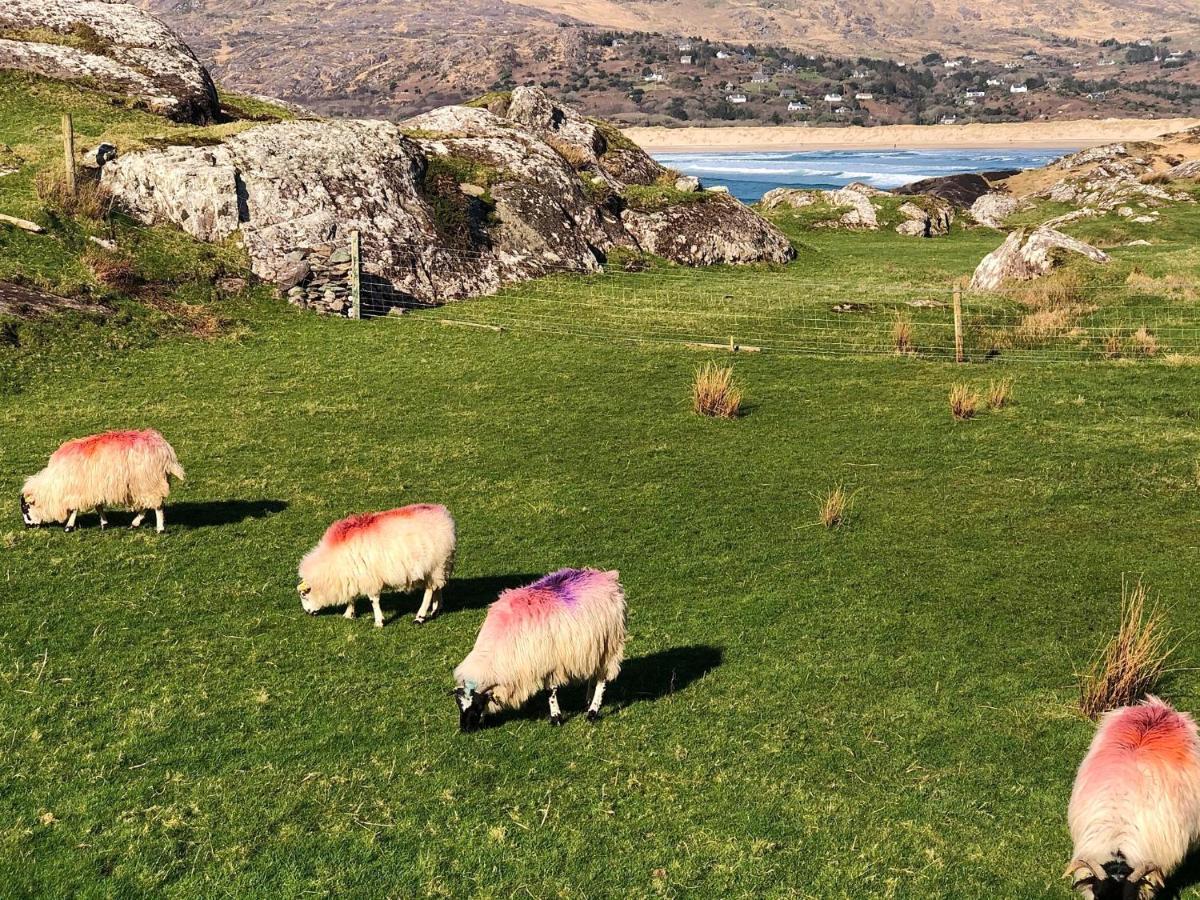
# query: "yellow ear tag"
{"type": "Point", "coordinates": [302, 587]}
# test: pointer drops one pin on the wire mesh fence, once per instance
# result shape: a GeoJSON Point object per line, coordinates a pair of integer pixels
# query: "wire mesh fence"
{"type": "Point", "coordinates": [774, 309]}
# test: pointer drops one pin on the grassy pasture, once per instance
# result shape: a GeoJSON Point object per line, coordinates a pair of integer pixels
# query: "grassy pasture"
{"type": "Point", "coordinates": [880, 709]}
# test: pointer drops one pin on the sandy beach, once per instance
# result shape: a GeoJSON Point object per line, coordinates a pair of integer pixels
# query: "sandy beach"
{"type": "Point", "coordinates": [1027, 135]}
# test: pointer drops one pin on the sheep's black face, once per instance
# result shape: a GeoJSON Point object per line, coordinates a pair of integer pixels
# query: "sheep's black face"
{"type": "Point", "coordinates": [26, 515]}
{"type": "Point", "coordinates": [471, 707]}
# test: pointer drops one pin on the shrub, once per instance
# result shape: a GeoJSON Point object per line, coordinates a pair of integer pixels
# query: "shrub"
{"type": "Point", "coordinates": [714, 393]}
{"type": "Point", "coordinates": [1133, 661]}
{"type": "Point", "coordinates": [963, 402]}
{"type": "Point", "coordinates": [902, 335]}
{"type": "Point", "coordinates": [999, 393]}
{"type": "Point", "coordinates": [834, 507]}
{"type": "Point", "coordinates": [90, 200]}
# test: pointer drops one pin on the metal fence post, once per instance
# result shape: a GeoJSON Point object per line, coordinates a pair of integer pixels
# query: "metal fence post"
{"type": "Point", "coordinates": [355, 275]}
{"type": "Point", "coordinates": [68, 130]}
{"type": "Point", "coordinates": [958, 326]}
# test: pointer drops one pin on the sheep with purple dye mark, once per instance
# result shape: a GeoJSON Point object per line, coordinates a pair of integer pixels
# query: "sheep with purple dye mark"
{"type": "Point", "coordinates": [568, 626]}
{"type": "Point", "coordinates": [407, 548]}
{"type": "Point", "coordinates": [1135, 808]}
{"type": "Point", "coordinates": [130, 469]}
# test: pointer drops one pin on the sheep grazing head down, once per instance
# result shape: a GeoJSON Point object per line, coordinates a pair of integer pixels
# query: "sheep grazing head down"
{"type": "Point", "coordinates": [473, 704]}
{"type": "Point", "coordinates": [27, 511]}
{"type": "Point", "coordinates": [310, 606]}
{"type": "Point", "coordinates": [1115, 880]}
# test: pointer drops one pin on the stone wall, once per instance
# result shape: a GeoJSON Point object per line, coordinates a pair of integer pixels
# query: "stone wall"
{"type": "Point", "coordinates": [326, 288]}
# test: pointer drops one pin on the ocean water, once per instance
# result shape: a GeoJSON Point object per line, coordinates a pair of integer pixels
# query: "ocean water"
{"type": "Point", "coordinates": [749, 175]}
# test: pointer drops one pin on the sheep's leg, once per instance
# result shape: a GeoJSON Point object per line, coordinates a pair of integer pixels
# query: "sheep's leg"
{"type": "Point", "coordinates": [437, 603]}
{"type": "Point", "coordinates": [138, 519]}
{"type": "Point", "coordinates": [350, 612]}
{"type": "Point", "coordinates": [425, 613]}
{"type": "Point", "coordinates": [593, 712]}
{"type": "Point", "coordinates": [103, 518]}
{"type": "Point", "coordinates": [378, 610]}
{"type": "Point", "coordinates": [159, 523]}
{"type": "Point", "coordinates": [555, 713]}
{"type": "Point", "coordinates": [70, 526]}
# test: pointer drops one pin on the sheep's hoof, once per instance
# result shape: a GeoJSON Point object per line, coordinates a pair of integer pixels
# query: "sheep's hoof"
{"type": "Point", "coordinates": [379, 624]}
{"type": "Point", "coordinates": [420, 620]}
{"type": "Point", "coordinates": [556, 720]}
{"type": "Point", "coordinates": [68, 528]}
{"type": "Point", "coordinates": [160, 531]}
{"type": "Point", "coordinates": [593, 715]}
{"type": "Point", "coordinates": [311, 612]}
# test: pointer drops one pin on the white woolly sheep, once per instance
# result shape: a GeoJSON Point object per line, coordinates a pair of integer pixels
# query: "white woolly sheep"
{"type": "Point", "coordinates": [362, 555]}
{"type": "Point", "coordinates": [1135, 807]}
{"type": "Point", "coordinates": [130, 469]}
{"type": "Point", "coordinates": [568, 626]}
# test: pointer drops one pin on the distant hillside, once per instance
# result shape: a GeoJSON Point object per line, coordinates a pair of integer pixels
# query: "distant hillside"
{"type": "Point", "coordinates": [891, 61]}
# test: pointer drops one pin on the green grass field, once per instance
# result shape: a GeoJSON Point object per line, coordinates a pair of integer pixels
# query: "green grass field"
{"type": "Point", "coordinates": [882, 710]}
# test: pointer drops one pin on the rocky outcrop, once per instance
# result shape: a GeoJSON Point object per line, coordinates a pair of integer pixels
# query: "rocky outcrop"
{"type": "Point", "coordinates": [451, 204]}
{"type": "Point", "coordinates": [992, 209]}
{"type": "Point", "coordinates": [685, 233]}
{"type": "Point", "coordinates": [926, 219]}
{"type": "Point", "coordinates": [1023, 257]}
{"type": "Point", "coordinates": [111, 45]}
{"type": "Point", "coordinates": [1186, 171]}
{"type": "Point", "coordinates": [850, 206]}
{"type": "Point", "coordinates": [959, 190]}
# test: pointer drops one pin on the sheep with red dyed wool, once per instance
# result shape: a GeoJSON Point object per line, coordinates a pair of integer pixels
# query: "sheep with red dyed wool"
{"type": "Point", "coordinates": [402, 549]}
{"type": "Point", "coordinates": [1135, 808]}
{"type": "Point", "coordinates": [568, 626]}
{"type": "Point", "coordinates": [131, 469]}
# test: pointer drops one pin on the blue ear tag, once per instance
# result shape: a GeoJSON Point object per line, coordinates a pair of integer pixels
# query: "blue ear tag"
{"type": "Point", "coordinates": [470, 686]}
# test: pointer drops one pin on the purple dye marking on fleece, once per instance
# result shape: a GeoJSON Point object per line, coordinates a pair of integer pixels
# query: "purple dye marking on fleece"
{"type": "Point", "coordinates": [566, 583]}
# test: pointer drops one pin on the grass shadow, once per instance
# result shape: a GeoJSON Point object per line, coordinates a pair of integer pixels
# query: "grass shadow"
{"type": "Point", "coordinates": [1188, 875]}
{"type": "Point", "coordinates": [642, 679]}
{"type": "Point", "coordinates": [214, 513]}
{"type": "Point", "coordinates": [460, 594]}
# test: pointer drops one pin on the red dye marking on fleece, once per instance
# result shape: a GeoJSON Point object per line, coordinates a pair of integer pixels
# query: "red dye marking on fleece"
{"type": "Point", "coordinates": [1150, 733]}
{"type": "Point", "coordinates": [352, 526]}
{"type": "Point", "coordinates": [125, 440]}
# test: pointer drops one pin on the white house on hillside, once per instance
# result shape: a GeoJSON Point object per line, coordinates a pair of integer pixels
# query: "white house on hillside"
{"type": "Point", "coordinates": [654, 78]}
{"type": "Point", "coordinates": [864, 95]}
{"type": "Point", "coordinates": [1019, 89]}
{"type": "Point", "coordinates": [798, 106]}
{"type": "Point", "coordinates": [833, 98]}
{"type": "Point", "coordinates": [736, 98]}
{"type": "Point", "coordinates": [685, 60]}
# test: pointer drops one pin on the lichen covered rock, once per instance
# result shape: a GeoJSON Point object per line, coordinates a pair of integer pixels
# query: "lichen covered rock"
{"type": "Point", "coordinates": [111, 45]}
{"type": "Point", "coordinates": [1024, 256]}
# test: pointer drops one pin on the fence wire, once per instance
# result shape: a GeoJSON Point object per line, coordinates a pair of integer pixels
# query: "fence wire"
{"type": "Point", "coordinates": [770, 309]}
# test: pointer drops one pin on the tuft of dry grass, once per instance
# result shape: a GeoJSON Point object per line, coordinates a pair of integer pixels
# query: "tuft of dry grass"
{"type": "Point", "coordinates": [1144, 342]}
{"type": "Point", "coordinates": [1043, 324]}
{"type": "Point", "coordinates": [575, 156]}
{"type": "Point", "coordinates": [833, 507]}
{"type": "Point", "coordinates": [714, 392]}
{"type": "Point", "coordinates": [90, 200]}
{"type": "Point", "coordinates": [999, 393]}
{"type": "Point", "coordinates": [1132, 663]}
{"type": "Point", "coordinates": [902, 335]}
{"type": "Point", "coordinates": [112, 269]}
{"type": "Point", "coordinates": [964, 402]}
{"type": "Point", "coordinates": [1158, 178]}
{"type": "Point", "coordinates": [1112, 344]}
{"type": "Point", "coordinates": [1063, 288]}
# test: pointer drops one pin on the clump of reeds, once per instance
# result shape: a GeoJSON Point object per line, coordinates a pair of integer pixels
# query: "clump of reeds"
{"type": "Point", "coordinates": [1133, 662]}
{"type": "Point", "coordinates": [1112, 344]}
{"type": "Point", "coordinates": [714, 392]}
{"type": "Point", "coordinates": [999, 393]}
{"type": "Point", "coordinates": [964, 402]}
{"type": "Point", "coordinates": [833, 507]}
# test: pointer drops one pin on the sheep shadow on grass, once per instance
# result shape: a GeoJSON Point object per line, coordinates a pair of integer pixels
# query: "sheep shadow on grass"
{"type": "Point", "coordinates": [1188, 875]}
{"type": "Point", "coordinates": [191, 514]}
{"type": "Point", "coordinates": [650, 677]}
{"type": "Point", "coordinates": [460, 594]}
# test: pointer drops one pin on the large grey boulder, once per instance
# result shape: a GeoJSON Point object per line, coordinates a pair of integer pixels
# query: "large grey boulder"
{"type": "Point", "coordinates": [992, 209]}
{"type": "Point", "coordinates": [111, 45]}
{"type": "Point", "coordinates": [1024, 256]}
{"type": "Point", "coordinates": [718, 229]}
{"type": "Point", "coordinates": [451, 204]}
{"type": "Point", "coordinates": [928, 218]}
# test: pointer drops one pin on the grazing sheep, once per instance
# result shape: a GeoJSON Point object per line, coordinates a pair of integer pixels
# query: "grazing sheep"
{"type": "Point", "coordinates": [1135, 808]}
{"type": "Point", "coordinates": [568, 626]}
{"type": "Point", "coordinates": [402, 549]}
{"type": "Point", "coordinates": [119, 468]}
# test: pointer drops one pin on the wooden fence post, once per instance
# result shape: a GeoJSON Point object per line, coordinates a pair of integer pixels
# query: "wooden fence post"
{"type": "Point", "coordinates": [68, 130]}
{"type": "Point", "coordinates": [355, 275]}
{"type": "Point", "coordinates": [958, 326]}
